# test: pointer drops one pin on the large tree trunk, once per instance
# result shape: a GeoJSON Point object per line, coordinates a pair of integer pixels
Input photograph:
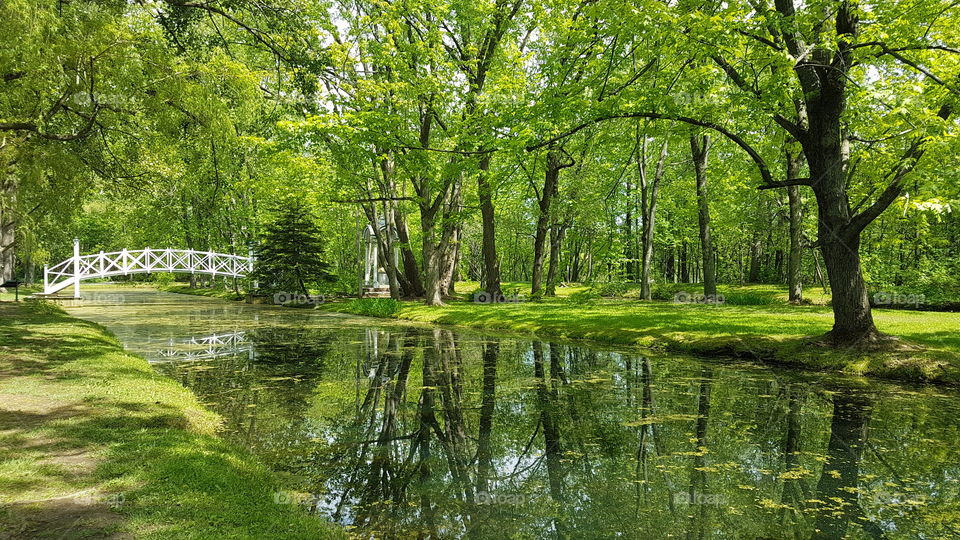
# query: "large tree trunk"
{"type": "Point", "coordinates": [8, 239]}
{"type": "Point", "coordinates": [794, 268]}
{"type": "Point", "coordinates": [411, 271]}
{"type": "Point", "coordinates": [839, 241]}
{"type": "Point", "coordinates": [700, 147]}
{"type": "Point", "coordinates": [491, 264]}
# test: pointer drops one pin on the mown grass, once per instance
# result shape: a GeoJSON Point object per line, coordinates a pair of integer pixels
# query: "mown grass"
{"type": "Point", "coordinates": [94, 443]}
{"type": "Point", "coordinates": [225, 294]}
{"type": "Point", "coordinates": [771, 332]}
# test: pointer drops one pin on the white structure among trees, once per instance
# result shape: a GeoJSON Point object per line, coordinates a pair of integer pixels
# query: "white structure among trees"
{"type": "Point", "coordinates": [375, 279]}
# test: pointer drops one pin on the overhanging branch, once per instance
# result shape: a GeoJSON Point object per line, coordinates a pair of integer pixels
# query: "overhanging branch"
{"type": "Point", "coordinates": [736, 139]}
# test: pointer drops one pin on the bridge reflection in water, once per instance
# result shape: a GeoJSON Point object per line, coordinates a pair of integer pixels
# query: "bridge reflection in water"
{"type": "Point", "coordinates": [205, 348]}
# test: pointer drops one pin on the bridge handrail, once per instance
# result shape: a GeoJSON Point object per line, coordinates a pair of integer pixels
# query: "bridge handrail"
{"type": "Point", "coordinates": [147, 260]}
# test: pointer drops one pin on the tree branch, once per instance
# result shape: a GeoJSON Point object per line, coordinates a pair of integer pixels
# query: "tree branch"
{"type": "Point", "coordinates": [736, 139]}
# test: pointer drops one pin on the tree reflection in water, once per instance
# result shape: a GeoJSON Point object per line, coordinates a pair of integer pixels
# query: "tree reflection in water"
{"type": "Point", "coordinates": [431, 434]}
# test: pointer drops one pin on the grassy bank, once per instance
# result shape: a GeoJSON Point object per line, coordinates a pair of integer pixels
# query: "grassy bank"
{"type": "Point", "coordinates": [772, 333]}
{"type": "Point", "coordinates": [93, 443]}
{"type": "Point", "coordinates": [224, 294]}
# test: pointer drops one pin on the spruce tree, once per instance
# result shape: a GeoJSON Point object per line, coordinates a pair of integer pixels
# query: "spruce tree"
{"type": "Point", "coordinates": [290, 254]}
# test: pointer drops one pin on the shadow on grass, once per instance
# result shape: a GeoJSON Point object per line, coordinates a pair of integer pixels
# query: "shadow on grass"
{"type": "Point", "coordinates": [96, 444]}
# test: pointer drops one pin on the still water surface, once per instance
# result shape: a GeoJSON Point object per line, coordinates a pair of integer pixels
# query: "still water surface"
{"type": "Point", "coordinates": [401, 431]}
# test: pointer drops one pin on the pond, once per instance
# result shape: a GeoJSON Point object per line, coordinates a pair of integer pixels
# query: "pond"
{"type": "Point", "coordinates": [400, 431]}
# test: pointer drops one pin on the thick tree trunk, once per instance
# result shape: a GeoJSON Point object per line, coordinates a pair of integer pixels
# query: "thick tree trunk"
{"type": "Point", "coordinates": [491, 264]}
{"type": "Point", "coordinates": [411, 271]}
{"type": "Point", "coordinates": [8, 239]}
{"type": "Point", "coordinates": [840, 243]}
{"type": "Point", "coordinates": [700, 147]}
{"type": "Point", "coordinates": [794, 264]}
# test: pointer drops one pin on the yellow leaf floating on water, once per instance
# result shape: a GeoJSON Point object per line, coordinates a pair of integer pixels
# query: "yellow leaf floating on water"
{"type": "Point", "coordinates": [795, 474]}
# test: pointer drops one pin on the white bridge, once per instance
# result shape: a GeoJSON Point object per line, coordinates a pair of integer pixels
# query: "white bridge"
{"type": "Point", "coordinates": [143, 261]}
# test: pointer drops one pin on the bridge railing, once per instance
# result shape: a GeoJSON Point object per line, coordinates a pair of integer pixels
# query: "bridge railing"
{"type": "Point", "coordinates": [142, 261]}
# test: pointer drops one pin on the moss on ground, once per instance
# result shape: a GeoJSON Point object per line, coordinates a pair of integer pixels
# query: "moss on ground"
{"type": "Point", "coordinates": [94, 443]}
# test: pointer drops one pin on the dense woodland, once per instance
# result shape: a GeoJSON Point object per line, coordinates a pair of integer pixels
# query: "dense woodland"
{"type": "Point", "coordinates": [811, 144]}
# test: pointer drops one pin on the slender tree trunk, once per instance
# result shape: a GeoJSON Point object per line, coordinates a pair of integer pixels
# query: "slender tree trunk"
{"type": "Point", "coordinates": [550, 188]}
{"type": "Point", "coordinates": [431, 262]}
{"type": "Point", "coordinates": [491, 264]}
{"type": "Point", "coordinates": [794, 264]}
{"type": "Point", "coordinates": [629, 252]}
{"type": "Point", "coordinates": [557, 232]}
{"type": "Point", "coordinates": [648, 207]}
{"type": "Point", "coordinates": [386, 252]}
{"type": "Point", "coordinates": [700, 147]}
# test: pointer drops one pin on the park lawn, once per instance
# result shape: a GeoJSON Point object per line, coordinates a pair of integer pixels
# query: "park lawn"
{"type": "Point", "coordinates": [774, 333]}
{"type": "Point", "coordinates": [223, 294]}
{"type": "Point", "coordinates": [752, 293]}
{"type": "Point", "coordinates": [94, 443]}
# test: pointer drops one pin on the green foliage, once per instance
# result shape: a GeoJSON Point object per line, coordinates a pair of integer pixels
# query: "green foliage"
{"type": "Point", "coordinates": [290, 255]}
{"type": "Point", "coordinates": [163, 279]}
{"type": "Point", "coordinates": [611, 289]}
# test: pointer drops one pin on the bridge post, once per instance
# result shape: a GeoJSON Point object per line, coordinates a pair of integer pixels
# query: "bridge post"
{"type": "Point", "coordinates": [256, 284]}
{"type": "Point", "coordinates": [46, 280]}
{"type": "Point", "coordinates": [76, 268]}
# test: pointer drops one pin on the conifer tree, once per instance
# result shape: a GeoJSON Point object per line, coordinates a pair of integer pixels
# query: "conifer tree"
{"type": "Point", "coordinates": [291, 252]}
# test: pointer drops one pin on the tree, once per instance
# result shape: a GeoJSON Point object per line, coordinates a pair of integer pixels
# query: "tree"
{"type": "Point", "coordinates": [290, 253]}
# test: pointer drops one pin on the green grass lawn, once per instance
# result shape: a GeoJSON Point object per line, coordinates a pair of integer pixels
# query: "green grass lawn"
{"type": "Point", "coordinates": [225, 294]}
{"type": "Point", "coordinates": [94, 443]}
{"type": "Point", "coordinates": [773, 332]}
